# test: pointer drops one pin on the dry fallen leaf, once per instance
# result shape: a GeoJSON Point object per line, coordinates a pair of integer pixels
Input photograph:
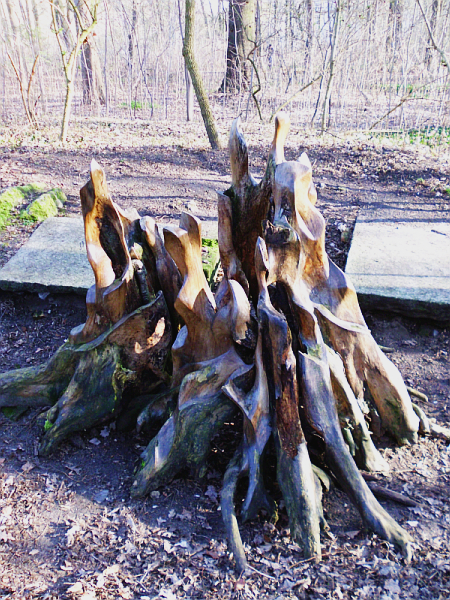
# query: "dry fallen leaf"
{"type": "Point", "coordinates": [27, 467]}
{"type": "Point", "coordinates": [351, 534]}
{"type": "Point", "coordinates": [391, 585]}
{"type": "Point", "coordinates": [71, 533]}
{"type": "Point", "coordinates": [76, 588]}
{"type": "Point", "coordinates": [112, 570]}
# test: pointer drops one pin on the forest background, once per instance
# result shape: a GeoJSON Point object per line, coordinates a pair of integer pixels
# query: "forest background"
{"type": "Point", "coordinates": [364, 64]}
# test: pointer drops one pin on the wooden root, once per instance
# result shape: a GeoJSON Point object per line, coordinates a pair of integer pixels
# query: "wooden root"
{"type": "Point", "coordinates": [122, 349]}
{"type": "Point", "coordinates": [282, 340]}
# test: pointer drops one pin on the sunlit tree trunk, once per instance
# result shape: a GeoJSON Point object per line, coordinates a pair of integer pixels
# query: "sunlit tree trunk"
{"type": "Point", "coordinates": [91, 71]}
{"type": "Point", "coordinates": [192, 67]}
{"type": "Point", "coordinates": [69, 59]}
{"type": "Point", "coordinates": [333, 46]}
{"type": "Point", "coordinates": [309, 6]}
{"type": "Point", "coordinates": [436, 7]}
{"type": "Point", "coordinates": [241, 41]}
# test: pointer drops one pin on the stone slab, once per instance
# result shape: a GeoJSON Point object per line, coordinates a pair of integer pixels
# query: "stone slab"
{"type": "Point", "coordinates": [401, 266]}
{"type": "Point", "coordinates": [52, 260]}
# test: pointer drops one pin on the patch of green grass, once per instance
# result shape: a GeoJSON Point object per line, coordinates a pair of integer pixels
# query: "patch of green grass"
{"type": "Point", "coordinates": [210, 243]}
{"type": "Point", "coordinates": [210, 259]}
{"type": "Point", "coordinates": [429, 136]}
{"type": "Point", "coordinates": [447, 190]}
{"type": "Point", "coordinates": [136, 105]}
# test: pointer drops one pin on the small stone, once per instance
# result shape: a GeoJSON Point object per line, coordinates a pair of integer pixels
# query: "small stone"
{"type": "Point", "coordinates": [101, 496]}
{"type": "Point", "coordinates": [192, 206]}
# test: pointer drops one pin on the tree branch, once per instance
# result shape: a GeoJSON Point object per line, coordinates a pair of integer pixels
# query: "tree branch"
{"type": "Point", "coordinates": [295, 96]}
{"type": "Point", "coordinates": [433, 41]}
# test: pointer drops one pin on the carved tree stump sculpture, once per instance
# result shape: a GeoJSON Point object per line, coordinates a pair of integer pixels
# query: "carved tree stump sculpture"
{"type": "Point", "coordinates": [282, 340]}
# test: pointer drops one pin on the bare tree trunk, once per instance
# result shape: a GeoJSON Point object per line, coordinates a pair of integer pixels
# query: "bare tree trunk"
{"type": "Point", "coordinates": [189, 96]}
{"type": "Point", "coordinates": [394, 27]}
{"type": "Point", "coordinates": [192, 67]}
{"type": "Point", "coordinates": [309, 40]}
{"type": "Point", "coordinates": [241, 41]}
{"type": "Point", "coordinates": [14, 22]}
{"type": "Point", "coordinates": [431, 33]}
{"type": "Point", "coordinates": [187, 77]}
{"type": "Point", "coordinates": [436, 7]}
{"type": "Point", "coordinates": [131, 46]}
{"type": "Point", "coordinates": [333, 44]}
{"type": "Point", "coordinates": [69, 58]}
{"type": "Point", "coordinates": [91, 71]}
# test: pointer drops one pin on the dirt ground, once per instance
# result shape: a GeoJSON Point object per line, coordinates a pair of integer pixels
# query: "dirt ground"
{"type": "Point", "coordinates": [68, 527]}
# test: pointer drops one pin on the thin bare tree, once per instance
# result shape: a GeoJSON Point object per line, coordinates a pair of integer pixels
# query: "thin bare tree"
{"type": "Point", "coordinates": [69, 59]}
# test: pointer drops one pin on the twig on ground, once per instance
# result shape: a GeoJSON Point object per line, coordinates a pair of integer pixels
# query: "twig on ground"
{"type": "Point", "coordinates": [386, 349]}
{"type": "Point", "coordinates": [417, 394]}
{"type": "Point", "coordinates": [385, 494]}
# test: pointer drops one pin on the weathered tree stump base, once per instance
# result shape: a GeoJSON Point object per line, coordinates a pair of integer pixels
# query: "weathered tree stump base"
{"type": "Point", "coordinates": [282, 340]}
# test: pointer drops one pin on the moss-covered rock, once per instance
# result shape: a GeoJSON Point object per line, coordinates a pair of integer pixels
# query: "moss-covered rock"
{"type": "Point", "coordinates": [14, 196]}
{"type": "Point", "coordinates": [42, 208]}
{"type": "Point", "coordinates": [46, 205]}
{"type": "Point", "coordinates": [59, 197]}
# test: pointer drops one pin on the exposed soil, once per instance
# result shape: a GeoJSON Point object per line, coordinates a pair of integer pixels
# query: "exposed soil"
{"type": "Point", "coordinates": [68, 527]}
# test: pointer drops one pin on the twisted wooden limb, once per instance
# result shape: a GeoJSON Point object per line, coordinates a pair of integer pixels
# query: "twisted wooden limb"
{"type": "Point", "coordinates": [321, 413]}
{"type": "Point", "coordinates": [115, 291]}
{"type": "Point", "coordinates": [320, 285]}
{"type": "Point", "coordinates": [38, 386]}
{"type": "Point", "coordinates": [122, 348]}
{"type": "Point", "coordinates": [204, 357]}
{"type": "Point", "coordinates": [352, 419]}
{"type": "Point", "coordinates": [123, 360]}
{"type": "Point", "coordinates": [294, 469]}
{"type": "Point", "coordinates": [244, 206]}
{"type": "Point", "coordinates": [291, 254]}
{"type": "Point", "coordinates": [169, 278]}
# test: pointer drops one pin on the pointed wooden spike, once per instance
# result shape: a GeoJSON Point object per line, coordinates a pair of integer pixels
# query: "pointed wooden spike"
{"type": "Point", "coordinates": [303, 159]}
{"type": "Point", "coordinates": [282, 124]}
{"type": "Point", "coordinates": [193, 226]}
{"type": "Point", "coordinates": [238, 150]}
{"type": "Point", "coordinates": [98, 179]}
